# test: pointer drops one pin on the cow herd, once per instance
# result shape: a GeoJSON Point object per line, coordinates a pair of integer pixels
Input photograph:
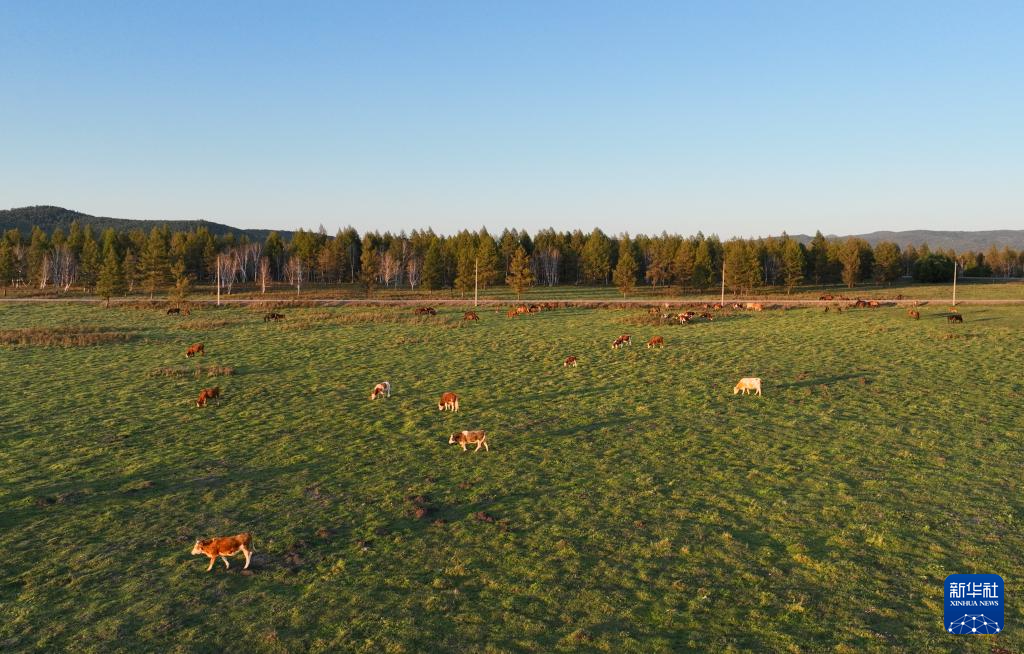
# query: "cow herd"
{"type": "Point", "coordinates": [449, 401]}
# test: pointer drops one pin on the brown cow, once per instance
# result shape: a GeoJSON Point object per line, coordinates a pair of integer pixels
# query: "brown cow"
{"type": "Point", "coordinates": [569, 361]}
{"type": "Point", "coordinates": [916, 315]}
{"type": "Point", "coordinates": [173, 310]}
{"type": "Point", "coordinates": [625, 339]}
{"type": "Point", "coordinates": [224, 547]}
{"type": "Point", "coordinates": [755, 306]}
{"type": "Point", "coordinates": [656, 341]}
{"type": "Point", "coordinates": [533, 308]}
{"type": "Point", "coordinates": [272, 316]}
{"type": "Point", "coordinates": [194, 349]}
{"type": "Point", "coordinates": [421, 311]}
{"type": "Point", "coordinates": [512, 313]}
{"type": "Point", "coordinates": [449, 402]}
{"type": "Point", "coordinates": [707, 316]}
{"type": "Point", "coordinates": [208, 394]}
{"type": "Point", "coordinates": [617, 343]}
{"type": "Point", "coordinates": [955, 318]}
{"type": "Point", "coordinates": [826, 298]}
{"type": "Point", "coordinates": [470, 315]}
{"type": "Point", "coordinates": [522, 308]}
{"type": "Point", "coordinates": [470, 437]}
{"type": "Point", "coordinates": [953, 310]}
{"type": "Point", "coordinates": [874, 304]}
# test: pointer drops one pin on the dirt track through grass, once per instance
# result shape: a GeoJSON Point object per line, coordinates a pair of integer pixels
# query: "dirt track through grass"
{"type": "Point", "coordinates": [639, 505]}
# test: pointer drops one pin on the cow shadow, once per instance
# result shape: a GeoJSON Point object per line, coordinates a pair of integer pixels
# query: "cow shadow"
{"type": "Point", "coordinates": [818, 381]}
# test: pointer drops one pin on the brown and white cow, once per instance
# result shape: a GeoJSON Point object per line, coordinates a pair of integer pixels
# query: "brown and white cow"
{"type": "Point", "coordinates": [956, 317]}
{"type": "Point", "coordinates": [449, 402]}
{"type": "Point", "coordinates": [224, 547]}
{"type": "Point", "coordinates": [656, 341]}
{"type": "Point", "coordinates": [382, 389]}
{"type": "Point", "coordinates": [569, 361]}
{"type": "Point", "coordinates": [470, 315]}
{"type": "Point", "coordinates": [464, 438]}
{"type": "Point", "coordinates": [207, 394]}
{"type": "Point", "coordinates": [194, 349]}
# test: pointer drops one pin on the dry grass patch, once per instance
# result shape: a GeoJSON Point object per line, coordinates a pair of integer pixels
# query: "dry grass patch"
{"type": "Point", "coordinates": [196, 372]}
{"type": "Point", "coordinates": [63, 336]}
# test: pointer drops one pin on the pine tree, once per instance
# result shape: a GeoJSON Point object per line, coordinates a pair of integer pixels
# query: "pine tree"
{"type": "Point", "coordinates": [89, 260]}
{"type": "Point", "coordinates": [703, 272]}
{"type": "Point", "coordinates": [111, 278]}
{"type": "Point", "coordinates": [433, 266]}
{"type": "Point", "coordinates": [369, 264]}
{"type": "Point", "coordinates": [182, 280]}
{"type": "Point", "coordinates": [488, 263]}
{"type": "Point", "coordinates": [154, 262]}
{"type": "Point", "coordinates": [818, 258]}
{"type": "Point", "coordinates": [464, 271]}
{"type": "Point", "coordinates": [596, 258]}
{"type": "Point", "coordinates": [737, 264]}
{"type": "Point", "coordinates": [625, 270]}
{"type": "Point", "coordinates": [792, 264]}
{"type": "Point", "coordinates": [6, 264]}
{"type": "Point", "coordinates": [520, 277]}
{"type": "Point", "coordinates": [683, 263]}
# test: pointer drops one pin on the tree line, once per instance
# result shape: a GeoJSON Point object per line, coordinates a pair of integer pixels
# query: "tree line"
{"type": "Point", "coordinates": [114, 262]}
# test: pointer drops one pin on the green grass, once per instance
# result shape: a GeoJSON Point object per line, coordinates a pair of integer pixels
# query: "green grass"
{"type": "Point", "coordinates": [639, 505]}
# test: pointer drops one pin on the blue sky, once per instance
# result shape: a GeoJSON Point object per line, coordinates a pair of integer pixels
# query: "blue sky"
{"type": "Point", "coordinates": [738, 118]}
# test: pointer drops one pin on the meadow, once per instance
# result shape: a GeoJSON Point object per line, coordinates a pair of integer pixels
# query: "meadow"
{"type": "Point", "coordinates": [632, 504]}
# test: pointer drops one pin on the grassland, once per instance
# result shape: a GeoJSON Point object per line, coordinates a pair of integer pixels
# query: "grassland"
{"type": "Point", "coordinates": [638, 505]}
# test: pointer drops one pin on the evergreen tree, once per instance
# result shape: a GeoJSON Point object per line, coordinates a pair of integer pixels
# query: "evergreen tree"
{"type": "Point", "coordinates": [433, 267]}
{"type": "Point", "coordinates": [737, 264]}
{"type": "Point", "coordinates": [488, 261]}
{"type": "Point", "coordinates": [819, 260]}
{"type": "Point", "coordinates": [683, 263]}
{"type": "Point", "coordinates": [6, 264]}
{"type": "Point", "coordinates": [131, 270]}
{"type": "Point", "coordinates": [154, 262]}
{"type": "Point", "coordinates": [626, 268]}
{"type": "Point", "coordinates": [464, 270]}
{"type": "Point", "coordinates": [182, 280]}
{"type": "Point", "coordinates": [520, 276]}
{"type": "Point", "coordinates": [793, 263]}
{"type": "Point", "coordinates": [89, 260]}
{"type": "Point", "coordinates": [111, 277]}
{"type": "Point", "coordinates": [369, 264]}
{"type": "Point", "coordinates": [703, 270]}
{"type": "Point", "coordinates": [596, 258]}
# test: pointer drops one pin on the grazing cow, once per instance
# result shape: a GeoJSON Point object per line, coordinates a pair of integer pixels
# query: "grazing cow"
{"type": "Point", "coordinates": [656, 341]}
{"type": "Point", "coordinates": [470, 315]}
{"type": "Point", "coordinates": [707, 316]}
{"type": "Point", "coordinates": [194, 349]}
{"type": "Point", "coordinates": [449, 402]}
{"type": "Point", "coordinates": [755, 306]}
{"type": "Point", "coordinates": [826, 298]}
{"type": "Point", "coordinates": [748, 384]}
{"type": "Point", "coordinates": [617, 343]}
{"type": "Point", "coordinates": [717, 307]}
{"type": "Point", "coordinates": [625, 339]}
{"type": "Point", "coordinates": [874, 304]}
{"type": "Point", "coordinates": [425, 311]}
{"type": "Point", "coordinates": [382, 389]}
{"type": "Point", "coordinates": [916, 315]}
{"type": "Point", "coordinates": [826, 308]}
{"type": "Point", "coordinates": [207, 394]}
{"type": "Point", "coordinates": [955, 318]}
{"type": "Point", "coordinates": [569, 361]}
{"type": "Point", "coordinates": [186, 312]}
{"type": "Point", "coordinates": [860, 304]}
{"type": "Point", "coordinates": [173, 310]}
{"type": "Point", "coordinates": [273, 316]}
{"type": "Point", "coordinates": [522, 308]}
{"type": "Point", "coordinates": [953, 310]}
{"type": "Point", "coordinates": [224, 547]}
{"type": "Point", "coordinates": [736, 306]}
{"type": "Point", "coordinates": [464, 438]}
{"type": "Point", "coordinates": [683, 318]}
{"type": "Point", "coordinates": [512, 313]}
{"type": "Point", "coordinates": [533, 308]}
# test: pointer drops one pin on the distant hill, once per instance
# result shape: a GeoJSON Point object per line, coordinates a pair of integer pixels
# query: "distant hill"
{"type": "Point", "coordinates": [939, 240]}
{"type": "Point", "coordinates": [49, 218]}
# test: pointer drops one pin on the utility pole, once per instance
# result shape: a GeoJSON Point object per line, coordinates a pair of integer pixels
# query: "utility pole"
{"type": "Point", "coordinates": [954, 282]}
{"type": "Point", "coordinates": [476, 281]}
{"type": "Point", "coordinates": [722, 301]}
{"type": "Point", "coordinates": [218, 280]}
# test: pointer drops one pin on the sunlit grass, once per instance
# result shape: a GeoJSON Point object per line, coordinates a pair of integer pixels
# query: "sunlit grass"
{"type": "Point", "coordinates": [638, 505]}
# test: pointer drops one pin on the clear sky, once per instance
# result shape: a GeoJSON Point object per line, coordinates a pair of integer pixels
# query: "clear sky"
{"type": "Point", "coordinates": [738, 118]}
